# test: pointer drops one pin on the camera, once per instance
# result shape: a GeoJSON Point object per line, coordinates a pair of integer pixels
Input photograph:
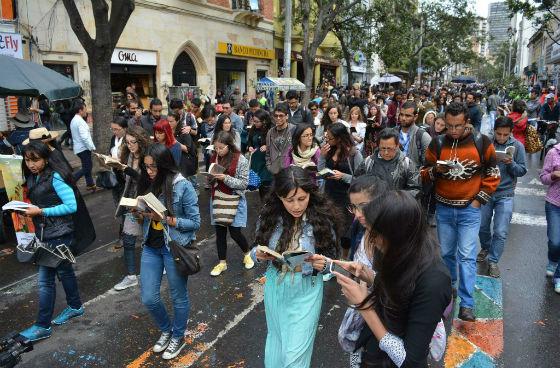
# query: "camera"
{"type": "Point", "coordinates": [11, 348]}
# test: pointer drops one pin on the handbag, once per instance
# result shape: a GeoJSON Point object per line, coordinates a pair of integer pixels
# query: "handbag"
{"type": "Point", "coordinates": [185, 257]}
{"type": "Point", "coordinates": [106, 179]}
{"type": "Point", "coordinates": [254, 180]}
{"type": "Point", "coordinates": [224, 207]}
{"type": "Point", "coordinates": [532, 140]}
{"type": "Point", "coordinates": [42, 254]}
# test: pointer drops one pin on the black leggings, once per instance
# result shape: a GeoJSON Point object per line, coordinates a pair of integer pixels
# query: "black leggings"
{"type": "Point", "coordinates": [221, 240]}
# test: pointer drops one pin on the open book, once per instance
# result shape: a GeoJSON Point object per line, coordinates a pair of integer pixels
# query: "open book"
{"type": "Point", "coordinates": [291, 258]}
{"type": "Point", "coordinates": [108, 160]}
{"type": "Point", "coordinates": [507, 153]}
{"type": "Point", "coordinates": [146, 202]}
{"type": "Point", "coordinates": [17, 206]}
{"type": "Point", "coordinates": [325, 173]}
{"type": "Point", "coordinates": [204, 140]}
{"type": "Point", "coordinates": [213, 170]}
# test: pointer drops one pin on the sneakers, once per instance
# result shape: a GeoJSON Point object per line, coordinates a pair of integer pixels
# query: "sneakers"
{"type": "Point", "coordinates": [36, 333]}
{"type": "Point", "coordinates": [174, 348]}
{"type": "Point", "coordinates": [551, 268]}
{"type": "Point", "coordinates": [162, 342]}
{"type": "Point", "coordinates": [67, 314]}
{"type": "Point", "coordinates": [493, 270]}
{"type": "Point", "coordinates": [92, 188]}
{"type": "Point", "coordinates": [218, 269]}
{"type": "Point", "coordinates": [248, 262]}
{"type": "Point", "coordinates": [482, 255]}
{"type": "Point", "coordinates": [127, 281]}
{"type": "Point", "coordinates": [466, 314]}
{"type": "Point", "coordinates": [557, 285]}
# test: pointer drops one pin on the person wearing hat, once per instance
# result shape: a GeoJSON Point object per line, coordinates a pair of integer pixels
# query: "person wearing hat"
{"type": "Point", "coordinates": [23, 124]}
{"type": "Point", "coordinates": [550, 110]}
{"type": "Point", "coordinates": [49, 138]}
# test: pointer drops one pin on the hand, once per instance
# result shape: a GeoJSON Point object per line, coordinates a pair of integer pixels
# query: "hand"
{"type": "Point", "coordinates": [475, 203]}
{"type": "Point", "coordinates": [357, 269]}
{"type": "Point", "coordinates": [262, 256]}
{"type": "Point", "coordinates": [317, 261]}
{"type": "Point", "coordinates": [507, 160]}
{"type": "Point", "coordinates": [152, 216]}
{"type": "Point", "coordinates": [556, 174]}
{"type": "Point", "coordinates": [442, 169]}
{"type": "Point", "coordinates": [263, 148]}
{"type": "Point", "coordinates": [171, 221]}
{"type": "Point", "coordinates": [325, 148]}
{"type": "Point", "coordinates": [220, 177]}
{"type": "Point", "coordinates": [354, 292]}
{"type": "Point", "coordinates": [138, 114]}
{"type": "Point", "coordinates": [337, 175]}
{"type": "Point", "coordinates": [251, 150]}
{"type": "Point", "coordinates": [33, 211]}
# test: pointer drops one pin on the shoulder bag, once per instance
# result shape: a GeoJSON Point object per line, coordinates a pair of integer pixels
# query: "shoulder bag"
{"type": "Point", "coordinates": [185, 257]}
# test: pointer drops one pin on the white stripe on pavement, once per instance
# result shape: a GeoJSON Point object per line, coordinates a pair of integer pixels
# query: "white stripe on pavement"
{"type": "Point", "coordinates": [529, 220]}
{"type": "Point", "coordinates": [533, 192]}
{"type": "Point", "coordinates": [536, 182]}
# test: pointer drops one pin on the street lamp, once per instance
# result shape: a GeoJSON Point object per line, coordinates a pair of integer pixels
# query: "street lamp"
{"type": "Point", "coordinates": [511, 33]}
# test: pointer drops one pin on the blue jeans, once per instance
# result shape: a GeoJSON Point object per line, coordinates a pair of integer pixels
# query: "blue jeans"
{"type": "Point", "coordinates": [457, 232]}
{"type": "Point", "coordinates": [553, 233]}
{"type": "Point", "coordinates": [501, 209]}
{"type": "Point", "coordinates": [151, 271]}
{"type": "Point", "coordinates": [47, 286]}
{"type": "Point", "coordinates": [491, 120]}
{"type": "Point", "coordinates": [129, 244]}
{"type": "Point", "coordinates": [85, 158]}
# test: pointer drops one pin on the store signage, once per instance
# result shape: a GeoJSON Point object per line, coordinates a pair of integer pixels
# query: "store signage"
{"type": "Point", "coordinates": [318, 59]}
{"type": "Point", "coordinates": [11, 45]}
{"type": "Point", "coordinates": [134, 57]}
{"type": "Point", "coordinates": [246, 51]}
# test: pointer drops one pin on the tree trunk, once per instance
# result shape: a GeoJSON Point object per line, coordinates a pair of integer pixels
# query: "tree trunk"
{"type": "Point", "coordinates": [348, 59]}
{"type": "Point", "coordinates": [101, 101]}
{"type": "Point", "coordinates": [309, 70]}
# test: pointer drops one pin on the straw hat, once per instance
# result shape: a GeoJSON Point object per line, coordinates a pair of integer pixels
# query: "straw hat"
{"type": "Point", "coordinates": [40, 134]}
{"type": "Point", "coordinates": [23, 120]}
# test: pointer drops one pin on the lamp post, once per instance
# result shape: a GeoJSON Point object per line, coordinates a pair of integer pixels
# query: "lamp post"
{"type": "Point", "coordinates": [511, 33]}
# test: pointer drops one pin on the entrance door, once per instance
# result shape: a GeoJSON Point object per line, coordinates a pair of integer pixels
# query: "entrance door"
{"type": "Point", "coordinates": [184, 71]}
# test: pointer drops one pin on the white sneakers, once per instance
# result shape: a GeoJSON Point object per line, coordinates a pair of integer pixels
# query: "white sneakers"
{"type": "Point", "coordinates": [128, 281]}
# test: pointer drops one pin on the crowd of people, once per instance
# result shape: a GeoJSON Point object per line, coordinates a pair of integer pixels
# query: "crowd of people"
{"type": "Point", "coordinates": [358, 178]}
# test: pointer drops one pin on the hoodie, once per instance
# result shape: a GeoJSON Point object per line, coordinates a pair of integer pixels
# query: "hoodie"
{"type": "Point", "coordinates": [510, 172]}
{"type": "Point", "coordinates": [552, 163]}
{"type": "Point", "coordinates": [519, 126]}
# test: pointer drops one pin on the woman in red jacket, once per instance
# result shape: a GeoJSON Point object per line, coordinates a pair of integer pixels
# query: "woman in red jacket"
{"type": "Point", "coordinates": [519, 117]}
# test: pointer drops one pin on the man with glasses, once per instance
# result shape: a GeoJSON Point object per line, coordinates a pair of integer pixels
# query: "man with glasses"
{"type": "Point", "coordinates": [153, 116]}
{"type": "Point", "coordinates": [297, 114]}
{"type": "Point", "coordinates": [463, 167]}
{"type": "Point", "coordinates": [278, 139]}
{"type": "Point", "coordinates": [414, 141]}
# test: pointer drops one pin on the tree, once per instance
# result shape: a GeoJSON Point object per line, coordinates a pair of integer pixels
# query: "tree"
{"type": "Point", "coordinates": [317, 20]}
{"type": "Point", "coordinates": [544, 14]}
{"type": "Point", "coordinates": [108, 30]}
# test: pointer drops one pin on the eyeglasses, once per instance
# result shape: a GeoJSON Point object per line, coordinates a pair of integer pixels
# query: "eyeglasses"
{"type": "Point", "coordinates": [387, 149]}
{"type": "Point", "coordinates": [279, 116]}
{"type": "Point", "coordinates": [352, 208]}
{"type": "Point", "coordinates": [119, 129]}
{"type": "Point", "coordinates": [455, 127]}
{"type": "Point", "coordinates": [313, 109]}
{"type": "Point", "coordinates": [151, 167]}
{"type": "Point", "coordinates": [130, 143]}
{"type": "Point", "coordinates": [329, 138]}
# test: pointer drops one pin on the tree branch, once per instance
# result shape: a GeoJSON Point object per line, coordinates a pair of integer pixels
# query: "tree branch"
{"type": "Point", "coordinates": [120, 13]}
{"type": "Point", "coordinates": [77, 25]}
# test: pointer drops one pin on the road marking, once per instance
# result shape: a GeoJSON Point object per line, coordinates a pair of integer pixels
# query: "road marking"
{"type": "Point", "coordinates": [536, 182]}
{"type": "Point", "coordinates": [529, 220]}
{"type": "Point", "coordinates": [532, 192]}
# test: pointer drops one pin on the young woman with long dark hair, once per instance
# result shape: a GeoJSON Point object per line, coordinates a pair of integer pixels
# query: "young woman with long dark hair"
{"type": "Point", "coordinates": [161, 177]}
{"type": "Point", "coordinates": [233, 181]}
{"type": "Point", "coordinates": [410, 290]}
{"type": "Point", "coordinates": [224, 124]}
{"type": "Point", "coordinates": [295, 217]}
{"type": "Point", "coordinates": [305, 150]}
{"type": "Point", "coordinates": [376, 122]}
{"type": "Point", "coordinates": [340, 155]}
{"type": "Point", "coordinates": [331, 115]}
{"type": "Point", "coordinates": [163, 134]}
{"type": "Point", "coordinates": [188, 165]}
{"type": "Point", "coordinates": [136, 142]}
{"type": "Point", "coordinates": [256, 142]}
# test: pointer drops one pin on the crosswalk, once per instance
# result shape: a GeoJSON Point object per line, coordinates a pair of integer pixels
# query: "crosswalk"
{"type": "Point", "coordinates": [529, 200]}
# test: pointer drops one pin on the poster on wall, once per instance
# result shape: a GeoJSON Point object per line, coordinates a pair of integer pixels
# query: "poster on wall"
{"type": "Point", "coordinates": [10, 169]}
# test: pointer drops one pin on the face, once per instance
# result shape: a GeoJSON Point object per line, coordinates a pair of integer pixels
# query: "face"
{"type": "Point", "coordinates": [221, 149]}
{"type": "Point", "coordinates": [131, 143]}
{"type": "Point", "coordinates": [357, 92]}
{"type": "Point", "coordinates": [388, 149]}
{"type": "Point", "coordinates": [280, 119]}
{"type": "Point", "coordinates": [333, 114]}
{"type": "Point", "coordinates": [195, 108]}
{"type": "Point", "coordinates": [35, 164]}
{"type": "Point", "coordinates": [172, 122]}
{"type": "Point", "coordinates": [293, 103]}
{"type": "Point", "coordinates": [117, 130]}
{"type": "Point", "coordinates": [470, 99]}
{"type": "Point", "coordinates": [156, 111]}
{"type": "Point", "coordinates": [407, 117]}
{"type": "Point", "coordinates": [439, 125]}
{"type": "Point", "coordinates": [358, 202]}
{"type": "Point", "coordinates": [160, 136]}
{"type": "Point", "coordinates": [314, 111]}
{"type": "Point", "coordinates": [227, 125]}
{"type": "Point", "coordinates": [177, 110]}
{"type": "Point", "coordinates": [373, 111]}
{"type": "Point", "coordinates": [296, 202]}
{"type": "Point", "coordinates": [354, 116]}
{"type": "Point", "coordinates": [430, 119]}
{"type": "Point", "coordinates": [227, 109]}
{"type": "Point", "coordinates": [306, 139]}
{"type": "Point", "coordinates": [151, 167]}
{"type": "Point", "coordinates": [501, 135]}
{"type": "Point", "coordinates": [133, 107]}
{"type": "Point", "coordinates": [129, 96]}
{"type": "Point", "coordinates": [455, 125]}
{"type": "Point", "coordinates": [533, 95]}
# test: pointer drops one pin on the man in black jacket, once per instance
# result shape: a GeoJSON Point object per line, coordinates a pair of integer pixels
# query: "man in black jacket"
{"type": "Point", "coordinates": [153, 116]}
{"type": "Point", "coordinates": [297, 114]}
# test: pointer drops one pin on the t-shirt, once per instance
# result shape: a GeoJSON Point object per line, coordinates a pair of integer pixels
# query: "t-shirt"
{"type": "Point", "coordinates": [155, 235]}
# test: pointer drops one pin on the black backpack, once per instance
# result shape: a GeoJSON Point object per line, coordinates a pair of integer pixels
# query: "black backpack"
{"type": "Point", "coordinates": [478, 142]}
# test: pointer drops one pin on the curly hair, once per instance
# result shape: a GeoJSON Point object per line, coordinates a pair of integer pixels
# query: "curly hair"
{"type": "Point", "coordinates": [141, 137]}
{"type": "Point", "coordinates": [320, 213]}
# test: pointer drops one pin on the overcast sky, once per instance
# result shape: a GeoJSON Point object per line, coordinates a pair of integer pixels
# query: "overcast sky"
{"type": "Point", "coordinates": [482, 7]}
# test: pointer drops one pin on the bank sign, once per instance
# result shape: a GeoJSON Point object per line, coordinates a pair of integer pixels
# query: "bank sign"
{"type": "Point", "coordinates": [246, 51]}
{"type": "Point", "coordinates": [11, 45]}
{"type": "Point", "coordinates": [133, 57]}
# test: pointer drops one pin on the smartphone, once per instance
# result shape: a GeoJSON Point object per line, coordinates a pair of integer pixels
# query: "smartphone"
{"type": "Point", "coordinates": [335, 267]}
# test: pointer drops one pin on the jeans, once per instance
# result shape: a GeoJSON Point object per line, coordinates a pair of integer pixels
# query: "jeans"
{"type": "Point", "coordinates": [491, 120]}
{"type": "Point", "coordinates": [85, 158]}
{"type": "Point", "coordinates": [553, 233]}
{"type": "Point", "coordinates": [47, 286]}
{"type": "Point", "coordinates": [494, 240]}
{"type": "Point", "coordinates": [221, 240]}
{"type": "Point", "coordinates": [129, 244]}
{"type": "Point", "coordinates": [151, 271]}
{"type": "Point", "coordinates": [457, 232]}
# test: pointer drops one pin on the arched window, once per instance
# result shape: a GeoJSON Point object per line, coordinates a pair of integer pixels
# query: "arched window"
{"type": "Point", "coordinates": [184, 71]}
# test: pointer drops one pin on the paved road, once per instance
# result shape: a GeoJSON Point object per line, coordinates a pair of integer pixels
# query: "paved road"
{"type": "Point", "coordinates": [227, 324]}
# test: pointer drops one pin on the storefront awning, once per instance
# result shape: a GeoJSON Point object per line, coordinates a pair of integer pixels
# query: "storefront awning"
{"type": "Point", "coordinates": [280, 84]}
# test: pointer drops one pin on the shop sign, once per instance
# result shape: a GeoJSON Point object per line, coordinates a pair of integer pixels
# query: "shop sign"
{"type": "Point", "coordinates": [246, 51]}
{"type": "Point", "coordinates": [133, 57]}
{"type": "Point", "coordinates": [11, 45]}
{"type": "Point", "coordinates": [318, 59]}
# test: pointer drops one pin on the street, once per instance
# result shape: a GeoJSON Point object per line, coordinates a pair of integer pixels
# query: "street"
{"type": "Point", "coordinates": [227, 326]}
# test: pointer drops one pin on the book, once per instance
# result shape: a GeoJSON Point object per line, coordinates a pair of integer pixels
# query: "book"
{"type": "Point", "coordinates": [204, 140]}
{"type": "Point", "coordinates": [210, 147]}
{"type": "Point", "coordinates": [291, 258]}
{"type": "Point", "coordinates": [447, 163]}
{"type": "Point", "coordinates": [214, 169]}
{"type": "Point", "coordinates": [507, 153]}
{"type": "Point", "coordinates": [145, 202]}
{"type": "Point", "coordinates": [108, 161]}
{"type": "Point", "coordinates": [17, 206]}
{"type": "Point", "coordinates": [325, 173]}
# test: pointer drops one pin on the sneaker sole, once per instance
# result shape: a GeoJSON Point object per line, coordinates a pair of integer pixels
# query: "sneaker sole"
{"type": "Point", "coordinates": [61, 323]}
{"type": "Point", "coordinates": [162, 349]}
{"type": "Point", "coordinates": [174, 355]}
{"type": "Point", "coordinates": [40, 338]}
{"type": "Point", "coordinates": [124, 288]}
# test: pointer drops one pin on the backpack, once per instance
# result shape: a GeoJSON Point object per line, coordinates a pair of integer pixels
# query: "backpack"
{"type": "Point", "coordinates": [478, 142]}
{"type": "Point", "coordinates": [418, 137]}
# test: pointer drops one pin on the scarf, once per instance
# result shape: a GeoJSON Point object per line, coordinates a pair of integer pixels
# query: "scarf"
{"type": "Point", "coordinates": [220, 185]}
{"type": "Point", "coordinates": [304, 159]}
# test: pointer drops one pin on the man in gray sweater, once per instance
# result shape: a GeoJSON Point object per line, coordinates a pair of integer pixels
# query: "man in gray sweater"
{"type": "Point", "coordinates": [278, 139]}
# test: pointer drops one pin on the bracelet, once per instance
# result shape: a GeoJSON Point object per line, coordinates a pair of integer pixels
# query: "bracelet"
{"type": "Point", "coordinates": [324, 266]}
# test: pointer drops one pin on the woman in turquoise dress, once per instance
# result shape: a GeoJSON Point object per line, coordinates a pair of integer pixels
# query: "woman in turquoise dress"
{"type": "Point", "coordinates": [295, 217]}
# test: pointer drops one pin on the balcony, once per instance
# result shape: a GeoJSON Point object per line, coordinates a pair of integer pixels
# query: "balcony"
{"type": "Point", "coordinates": [247, 12]}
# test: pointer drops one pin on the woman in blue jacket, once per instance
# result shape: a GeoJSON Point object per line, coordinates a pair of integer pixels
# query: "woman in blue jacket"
{"type": "Point", "coordinates": [161, 177]}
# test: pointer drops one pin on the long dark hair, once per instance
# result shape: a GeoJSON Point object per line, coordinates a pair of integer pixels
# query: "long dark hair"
{"type": "Point", "coordinates": [296, 136]}
{"type": "Point", "coordinates": [265, 119]}
{"type": "Point", "coordinates": [226, 138]}
{"type": "Point", "coordinates": [166, 172]}
{"type": "Point", "coordinates": [141, 138]}
{"type": "Point", "coordinates": [326, 120]}
{"type": "Point", "coordinates": [220, 124]}
{"type": "Point", "coordinates": [40, 150]}
{"type": "Point", "coordinates": [340, 133]}
{"type": "Point", "coordinates": [320, 212]}
{"type": "Point", "coordinates": [409, 248]}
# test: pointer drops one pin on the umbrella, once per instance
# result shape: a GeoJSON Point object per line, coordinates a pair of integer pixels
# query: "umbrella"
{"type": "Point", "coordinates": [389, 78]}
{"type": "Point", "coordinates": [24, 78]}
{"type": "Point", "coordinates": [463, 79]}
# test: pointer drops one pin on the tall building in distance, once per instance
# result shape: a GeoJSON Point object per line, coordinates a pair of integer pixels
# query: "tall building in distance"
{"type": "Point", "coordinates": [499, 21]}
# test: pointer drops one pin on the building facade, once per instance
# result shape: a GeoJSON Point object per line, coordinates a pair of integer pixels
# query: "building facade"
{"type": "Point", "coordinates": [499, 22]}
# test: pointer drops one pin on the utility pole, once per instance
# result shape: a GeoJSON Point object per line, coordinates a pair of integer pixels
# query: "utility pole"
{"type": "Point", "coordinates": [287, 37]}
{"type": "Point", "coordinates": [420, 52]}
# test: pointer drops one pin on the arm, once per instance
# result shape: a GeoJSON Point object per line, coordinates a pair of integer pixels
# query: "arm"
{"type": "Point", "coordinates": [546, 176]}
{"type": "Point", "coordinates": [241, 179]}
{"type": "Point", "coordinates": [427, 172]}
{"type": "Point", "coordinates": [412, 179]}
{"type": "Point", "coordinates": [189, 202]}
{"type": "Point", "coordinates": [426, 140]}
{"type": "Point", "coordinates": [66, 195]}
{"type": "Point", "coordinates": [358, 159]}
{"type": "Point", "coordinates": [83, 130]}
{"type": "Point", "coordinates": [267, 156]}
{"type": "Point", "coordinates": [490, 174]}
{"type": "Point", "coordinates": [517, 166]}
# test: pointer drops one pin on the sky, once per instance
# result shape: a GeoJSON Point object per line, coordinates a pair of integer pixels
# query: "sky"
{"type": "Point", "coordinates": [482, 7]}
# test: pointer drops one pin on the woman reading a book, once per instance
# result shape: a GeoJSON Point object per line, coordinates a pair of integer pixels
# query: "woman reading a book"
{"type": "Point", "coordinates": [261, 123]}
{"type": "Point", "coordinates": [189, 158]}
{"type": "Point", "coordinates": [296, 217]}
{"type": "Point", "coordinates": [136, 142]}
{"type": "Point", "coordinates": [224, 124]}
{"type": "Point", "coordinates": [233, 181]}
{"type": "Point", "coordinates": [160, 177]}
{"type": "Point", "coordinates": [163, 134]}
{"type": "Point", "coordinates": [410, 291]}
